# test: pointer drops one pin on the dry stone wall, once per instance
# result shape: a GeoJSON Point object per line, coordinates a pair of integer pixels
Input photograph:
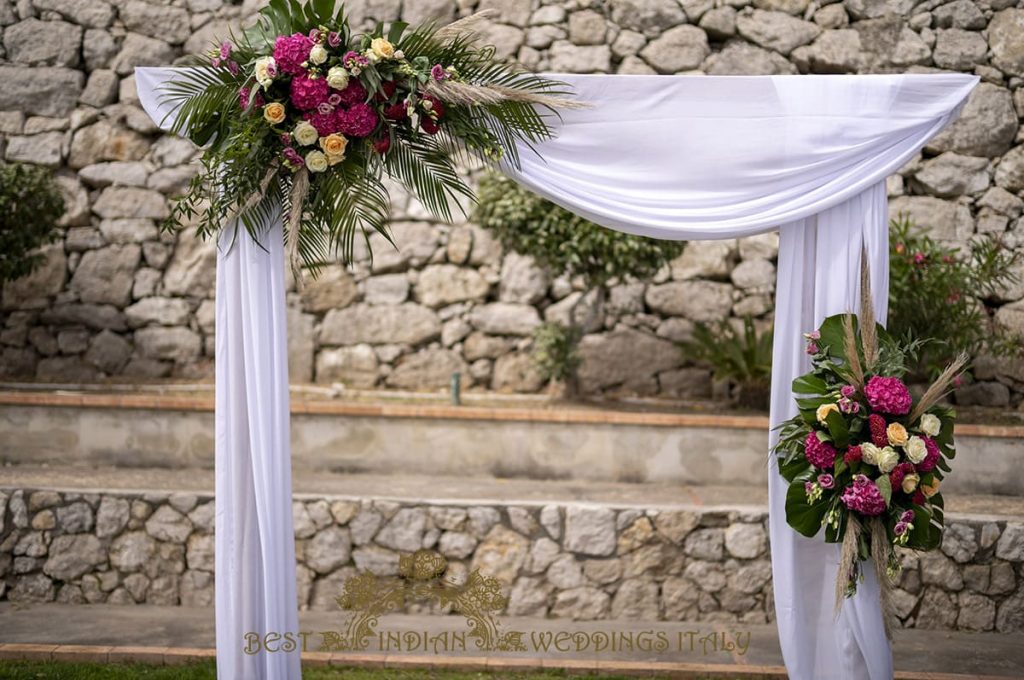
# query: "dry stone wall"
{"type": "Point", "coordinates": [118, 299]}
{"type": "Point", "coordinates": [582, 562]}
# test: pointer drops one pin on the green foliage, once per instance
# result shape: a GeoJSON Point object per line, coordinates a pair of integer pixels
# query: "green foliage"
{"type": "Point", "coordinates": [30, 206]}
{"type": "Point", "coordinates": [744, 358]}
{"type": "Point", "coordinates": [554, 351]}
{"type": "Point", "coordinates": [936, 296]}
{"type": "Point", "coordinates": [563, 242]}
{"type": "Point", "coordinates": [246, 173]}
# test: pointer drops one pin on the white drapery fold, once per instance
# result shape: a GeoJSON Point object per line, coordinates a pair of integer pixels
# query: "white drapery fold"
{"type": "Point", "coordinates": [675, 157]}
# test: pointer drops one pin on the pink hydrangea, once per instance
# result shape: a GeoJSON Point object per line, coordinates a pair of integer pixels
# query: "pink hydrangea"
{"type": "Point", "coordinates": [308, 93]}
{"type": "Point", "coordinates": [888, 395]}
{"type": "Point", "coordinates": [931, 459]}
{"type": "Point", "coordinates": [290, 51]}
{"type": "Point", "coordinates": [359, 121]}
{"type": "Point", "coordinates": [819, 454]}
{"type": "Point", "coordinates": [354, 93]}
{"type": "Point", "coordinates": [864, 497]}
{"type": "Point", "coordinates": [326, 123]}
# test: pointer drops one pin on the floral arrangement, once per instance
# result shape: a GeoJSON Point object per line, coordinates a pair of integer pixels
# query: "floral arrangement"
{"type": "Point", "coordinates": [299, 111]}
{"type": "Point", "coordinates": [864, 459]}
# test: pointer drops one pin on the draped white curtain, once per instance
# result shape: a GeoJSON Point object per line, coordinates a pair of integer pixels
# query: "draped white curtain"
{"type": "Point", "coordinates": [675, 157]}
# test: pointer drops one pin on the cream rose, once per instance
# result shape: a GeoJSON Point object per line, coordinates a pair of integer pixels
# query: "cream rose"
{"type": "Point", "coordinates": [930, 424]}
{"type": "Point", "coordinates": [337, 77]}
{"type": "Point", "coordinates": [897, 434]}
{"type": "Point", "coordinates": [916, 450]}
{"type": "Point", "coordinates": [316, 161]}
{"type": "Point", "coordinates": [318, 54]}
{"type": "Point", "coordinates": [887, 459]}
{"type": "Point", "coordinates": [910, 482]}
{"type": "Point", "coordinates": [273, 112]}
{"type": "Point", "coordinates": [823, 410]}
{"type": "Point", "coordinates": [334, 145]}
{"type": "Point", "coordinates": [266, 69]}
{"type": "Point", "coordinates": [382, 49]}
{"type": "Point", "coordinates": [305, 134]}
{"type": "Point", "coordinates": [870, 453]}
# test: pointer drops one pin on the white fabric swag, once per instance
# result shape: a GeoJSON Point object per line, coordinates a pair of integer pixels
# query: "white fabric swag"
{"type": "Point", "coordinates": [673, 157]}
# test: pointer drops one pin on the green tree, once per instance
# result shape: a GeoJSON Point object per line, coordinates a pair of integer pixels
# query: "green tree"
{"type": "Point", "coordinates": [30, 206]}
{"type": "Point", "coordinates": [566, 244]}
{"type": "Point", "coordinates": [937, 295]}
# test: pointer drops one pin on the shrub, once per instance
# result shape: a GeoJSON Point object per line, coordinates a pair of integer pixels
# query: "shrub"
{"type": "Point", "coordinates": [30, 206]}
{"type": "Point", "coordinates": [937, 296]}
{"type": "Point", "coordinates": [743, 358]}
{"type": "Point", "coordinates": [554, 352]}
{"type": "Point", "coordinates": [565, 244]}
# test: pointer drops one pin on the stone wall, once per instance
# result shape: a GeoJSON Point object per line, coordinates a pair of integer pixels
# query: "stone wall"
{"type": "Point", "coordinates": [118, 299]}
{"type": "Point", "coordinates": [566, 561]}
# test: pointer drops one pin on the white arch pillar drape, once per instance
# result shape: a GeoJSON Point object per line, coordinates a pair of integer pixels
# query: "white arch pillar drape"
{"type": "Point", "coordinates": [676, 157]}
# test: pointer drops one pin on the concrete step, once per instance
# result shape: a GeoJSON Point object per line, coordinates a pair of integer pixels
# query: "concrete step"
{"type": "Point", "coordinates": [693, 649]}
{"type": "Point", "coordinates": [533, 442]}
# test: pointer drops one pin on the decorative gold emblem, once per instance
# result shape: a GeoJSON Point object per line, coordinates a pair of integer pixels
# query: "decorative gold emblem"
{"type": "Point", "coordinates": [421, 577]}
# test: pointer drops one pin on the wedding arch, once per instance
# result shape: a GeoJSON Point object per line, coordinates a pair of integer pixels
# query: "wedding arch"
{"type": "Point", "coordinates": [672, 157]}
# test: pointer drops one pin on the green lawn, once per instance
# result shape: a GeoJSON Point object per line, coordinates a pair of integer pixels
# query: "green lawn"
{"type": "Point", "coordinates": [33, 670]}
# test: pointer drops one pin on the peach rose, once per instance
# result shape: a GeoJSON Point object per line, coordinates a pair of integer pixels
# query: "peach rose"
{"type": "Point", "coordinates": [897, 434]}
{"type": "Point", "coordinates": [334, 145]}
{"type": "Point", "coordinates": [274, 112]}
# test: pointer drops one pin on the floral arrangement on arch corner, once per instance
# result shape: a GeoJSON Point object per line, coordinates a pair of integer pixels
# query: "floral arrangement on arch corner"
{"type": "Point", "coordinates": [864, 459]}
{"type": "Point", "coordinates": [300, 112]}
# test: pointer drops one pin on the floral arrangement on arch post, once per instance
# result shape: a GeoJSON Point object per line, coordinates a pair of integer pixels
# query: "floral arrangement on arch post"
{"type": "Point", "coordinates": [298, 111]}
{"type": "Point", "coordinates": [864, 459]}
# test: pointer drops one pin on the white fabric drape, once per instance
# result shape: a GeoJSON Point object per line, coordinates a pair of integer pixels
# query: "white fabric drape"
{"type": "Point", "coordinates": [692, 157]}
{"type": "Point", "coordinates": [676, 157]}
{"type": "Point", "coordinates": [255, 546]}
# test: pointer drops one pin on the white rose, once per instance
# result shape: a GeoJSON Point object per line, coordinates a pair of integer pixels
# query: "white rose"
{"type": "Point", "coordinates": [870, 453]}
{"type": "Point", "coordinates": [305, 134]}
{"type": "Point", "coordinates": [887, 459]}
{"type": "Point", "coordinates": [337, 77]}
{"type": "Point", "coordinates": [399, 54]}
{"type": "Point", "coordinates": [930, 424]}
{"type": "Point", "coordinates": [318, 54]}
{"type": "Point", "coordinates": [916, 450]}
{"type": "Point", "coordinates": [316, 161]}
{"type": "Point", "coordinates": [266, 68]}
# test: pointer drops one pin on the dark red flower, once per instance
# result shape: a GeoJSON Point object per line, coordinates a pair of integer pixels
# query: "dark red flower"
{"type": "Point", "coordinates": [878, 436]}
{"type": "Point", "coordinates": [931, 459]}
{"type": "Point", "coordinates": [395, 112]}
{"type": "Point", "coordinates": [919, 498]}
{"type": "Point", "coordinates": [387, 89]}
{"type": "Point", "coordinates": [898, 473]}
{"type": "Point", "coordinates": [852, 455]}
{"type": "Point", "coordinates": [382, 144]}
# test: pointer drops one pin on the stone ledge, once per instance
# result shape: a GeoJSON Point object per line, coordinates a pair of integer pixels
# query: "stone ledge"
{"type": "Point", "coordinates": [559, 560]}
{"type": "Point", "coordinates": [444, 412]}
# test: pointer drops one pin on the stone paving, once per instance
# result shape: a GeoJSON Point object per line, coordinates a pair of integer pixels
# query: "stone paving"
{"type": "Point", "coordinates": [917, 653]}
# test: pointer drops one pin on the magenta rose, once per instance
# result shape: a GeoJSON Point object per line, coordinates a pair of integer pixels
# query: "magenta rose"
{"type": "Point", "coordinates": [888, 395]}
{"type": "Point", "coordinates": [290, 51]}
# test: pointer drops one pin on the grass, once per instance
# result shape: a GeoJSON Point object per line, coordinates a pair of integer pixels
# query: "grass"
{"type": "Point", "coordinates": [39, 670]}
